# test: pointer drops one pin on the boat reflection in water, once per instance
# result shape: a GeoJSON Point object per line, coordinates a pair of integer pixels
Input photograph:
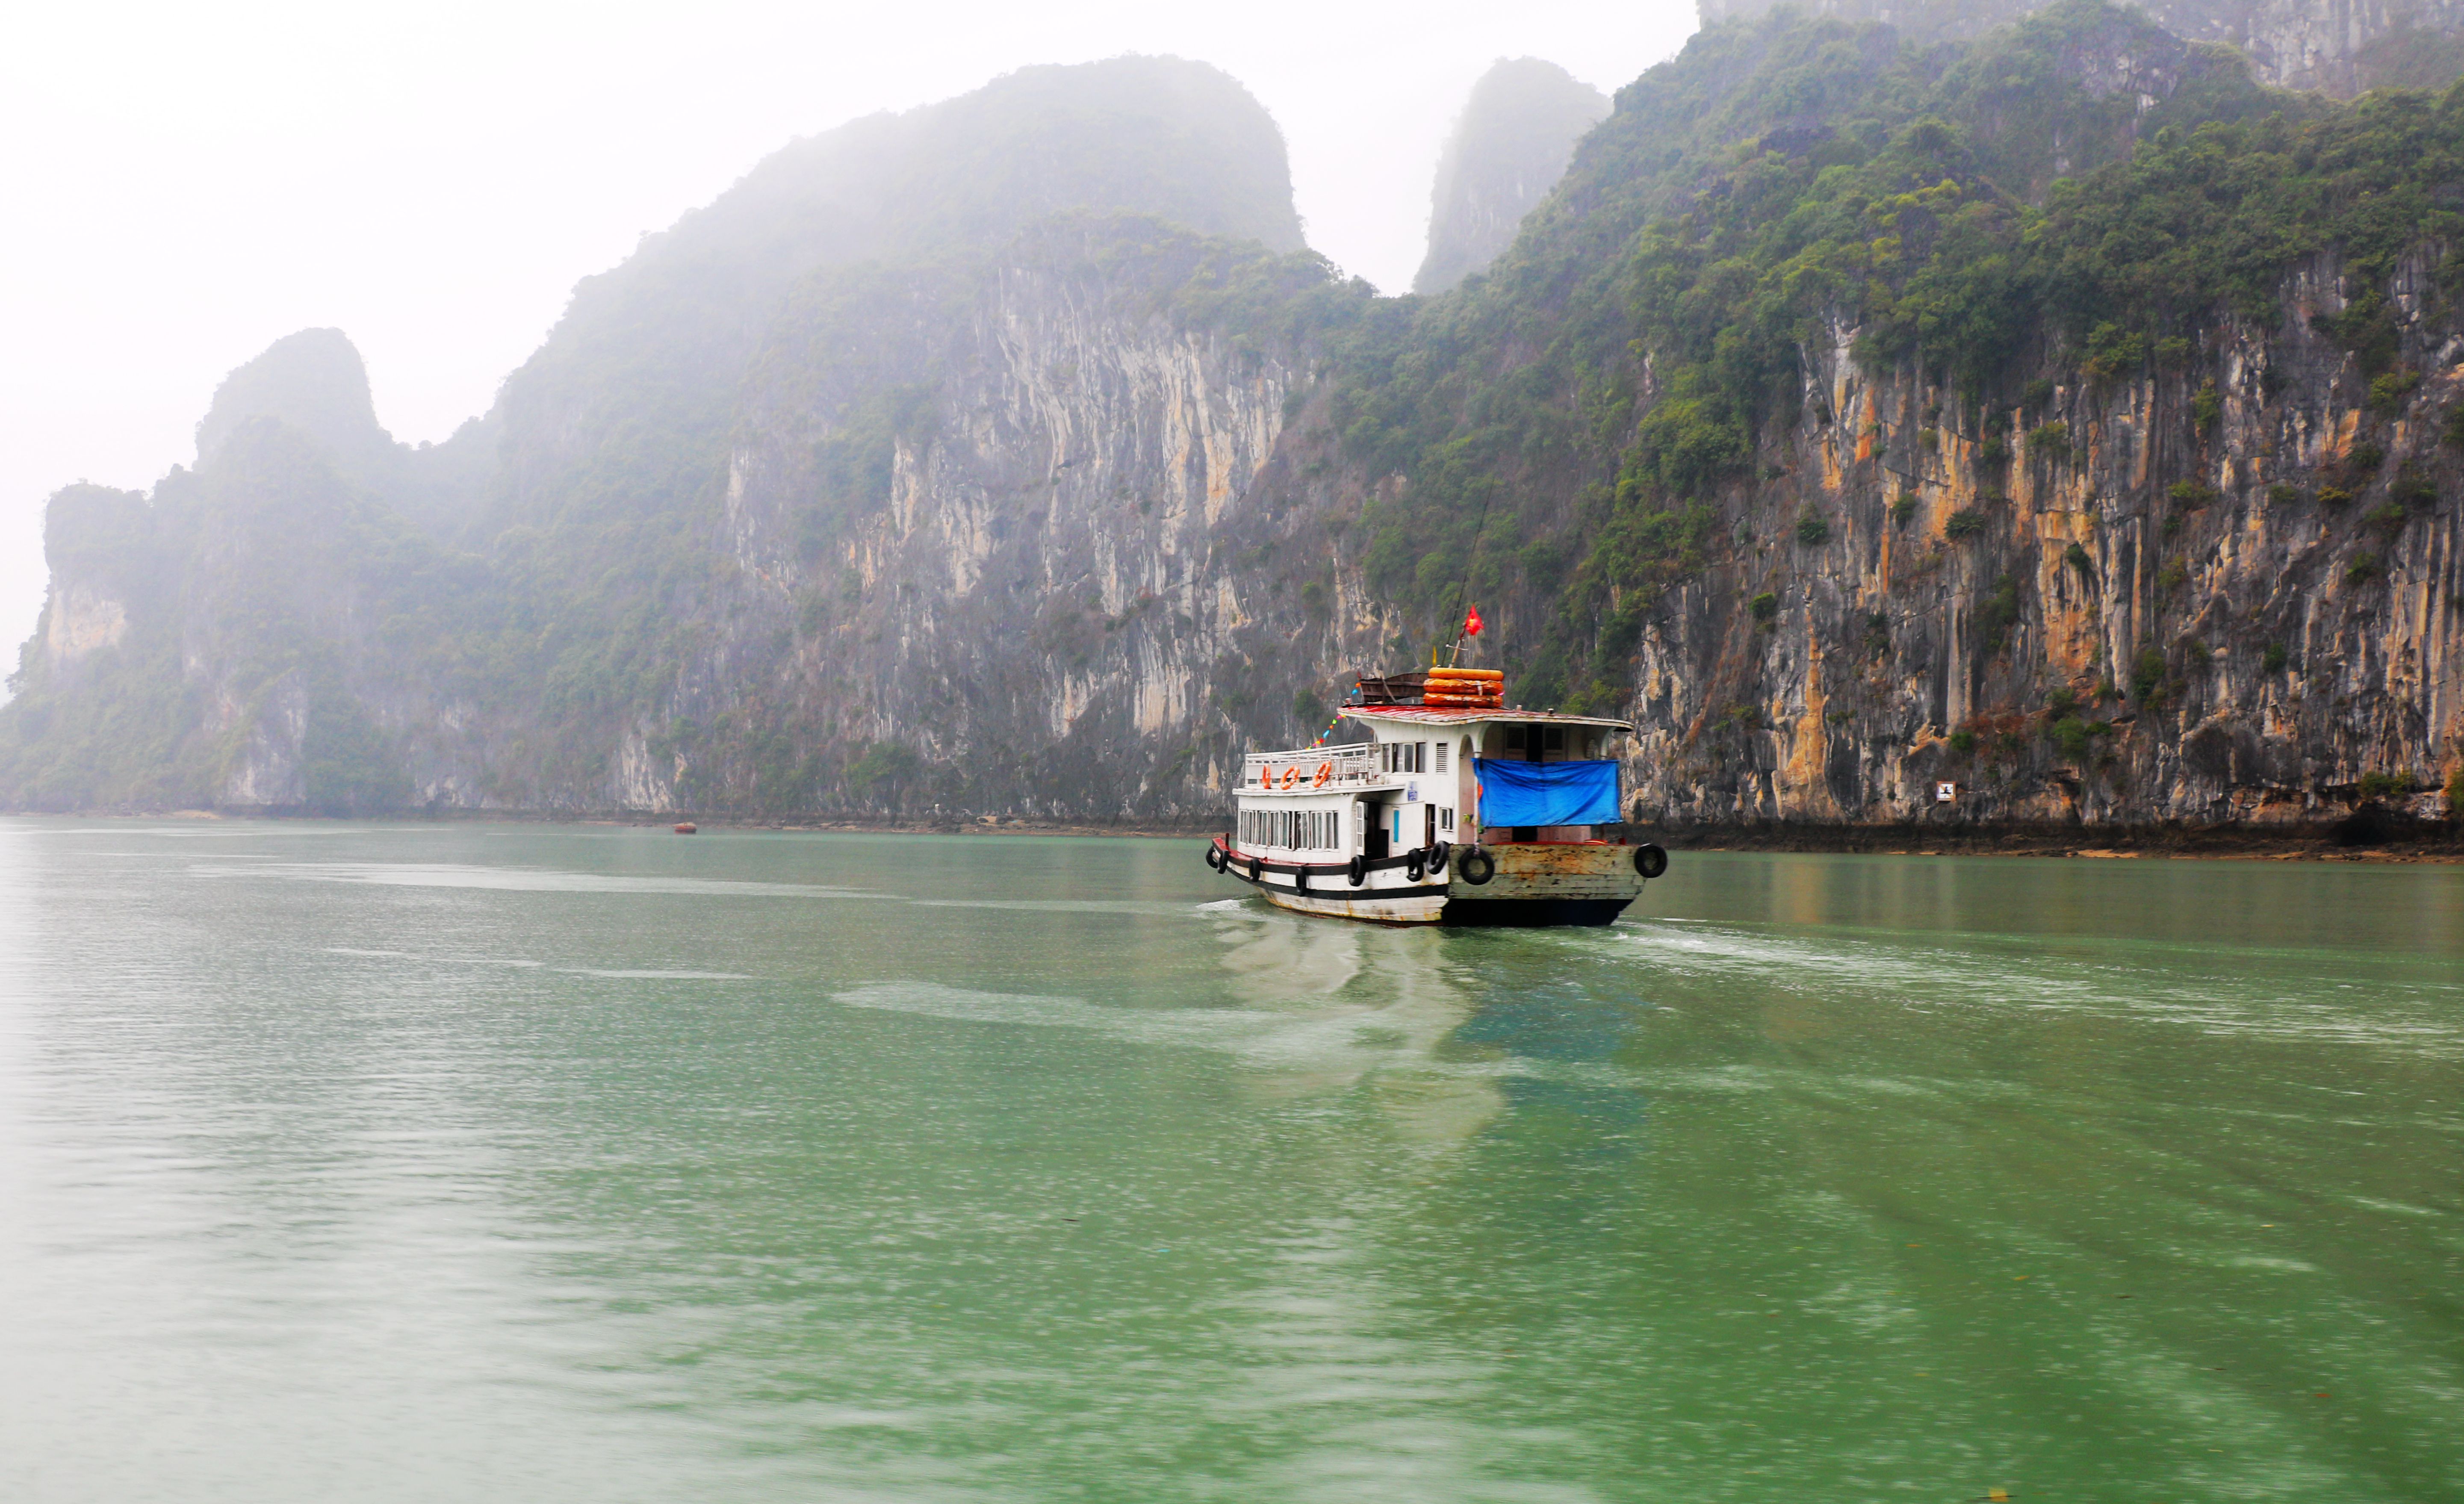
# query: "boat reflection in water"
{"type": "Point", "coordinates": [1356, 1006]}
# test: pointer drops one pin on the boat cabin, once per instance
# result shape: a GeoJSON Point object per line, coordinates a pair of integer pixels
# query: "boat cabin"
{"type": "Point", "coordinates": [1434, 774]}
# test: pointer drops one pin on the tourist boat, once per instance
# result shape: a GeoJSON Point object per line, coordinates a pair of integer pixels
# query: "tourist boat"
{"type": "Point", "coordinates": [1457, 810]}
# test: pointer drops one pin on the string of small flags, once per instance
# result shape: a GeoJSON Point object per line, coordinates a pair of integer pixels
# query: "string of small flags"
{"type": "Point", "coordinates": [1331, 725]}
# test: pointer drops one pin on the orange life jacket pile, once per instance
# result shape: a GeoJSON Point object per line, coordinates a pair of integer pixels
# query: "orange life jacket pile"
{"type": "Point", "coordinates": [1464, 689]}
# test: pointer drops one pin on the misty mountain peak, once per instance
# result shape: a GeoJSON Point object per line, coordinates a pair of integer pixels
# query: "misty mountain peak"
{"type": "Point", "coordinates": [649, 352]}
{"type": "Point", "coordinates": [1163, 136]}
{"type": "Point", "coordinates": [1508, 149]}
{"type": "Point", "coordinates": [314, 381]}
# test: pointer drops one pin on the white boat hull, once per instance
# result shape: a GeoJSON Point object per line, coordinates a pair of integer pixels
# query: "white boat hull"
{"type": "Point", "coordinates": [1427, 908]}
{"type": "Point", "coordinates": [1535, 883]}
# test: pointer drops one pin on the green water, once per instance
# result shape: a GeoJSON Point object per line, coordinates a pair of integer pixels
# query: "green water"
{"type": "Point", "coordinates": [501, 1162]}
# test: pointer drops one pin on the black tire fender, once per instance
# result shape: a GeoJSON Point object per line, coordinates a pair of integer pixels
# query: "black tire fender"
{"type": "Point", "coordinates": [1650, 860]}
{"type": "Point", "coordinates": [1356, 871]}
{"type": "Point", "coordinates": [1476, 867]}
{"type": "Point", "coordinates": [1413, 871]}
{"type": "Point", "coordinates": [1438, 852]}
{"type": "Point", "coordinates": [1214, 858]}
{"type": "Point", "coordinates": [1255, 867]}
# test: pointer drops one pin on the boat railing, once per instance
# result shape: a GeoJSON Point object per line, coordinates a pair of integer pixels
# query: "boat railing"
{"type": "Point", "coordinates": [1299, 771]}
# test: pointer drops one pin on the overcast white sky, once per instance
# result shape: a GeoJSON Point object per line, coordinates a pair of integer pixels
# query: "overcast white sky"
{"type": "Point", "coordinates": [182, 184]}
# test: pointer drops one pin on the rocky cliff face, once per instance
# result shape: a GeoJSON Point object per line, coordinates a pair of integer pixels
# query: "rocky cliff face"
{"type": "Point", "coordinates": [2153, 602]}
{"type": "Point", "coordinates": [1507, 150]}
{"type": "Point", "coordinates": [2340, 47]}
{"type": "Point", "coordinates": [1042, 607]}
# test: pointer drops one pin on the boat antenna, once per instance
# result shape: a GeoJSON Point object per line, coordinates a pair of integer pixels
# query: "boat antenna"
{"type": "Point", "coordinates": [1462, 586]}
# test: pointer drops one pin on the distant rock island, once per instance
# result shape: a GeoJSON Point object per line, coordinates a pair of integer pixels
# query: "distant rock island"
{"type": "Point", "coordinates": [1508, 150]}
{"type": "Point", "coordinates": [2055, 410]}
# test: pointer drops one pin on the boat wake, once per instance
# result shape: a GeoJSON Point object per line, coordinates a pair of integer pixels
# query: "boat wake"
{"type": "Point", "coordinates": [2295, 1001]}
{"type": "Point", "coordinates": [1335, 1039]}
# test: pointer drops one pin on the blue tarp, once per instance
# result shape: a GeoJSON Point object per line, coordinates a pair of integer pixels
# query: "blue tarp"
{"type": "Point", "coordinates": [1546, 792]}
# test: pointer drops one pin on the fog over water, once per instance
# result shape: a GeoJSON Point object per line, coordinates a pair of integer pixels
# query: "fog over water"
{"type": "Point", "coordinates": [190, 185]}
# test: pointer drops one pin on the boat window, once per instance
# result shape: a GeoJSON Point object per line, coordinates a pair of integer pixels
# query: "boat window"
{"type": "Point", "coordinates": [1514, 738]}
{"type": "Point", "coordinates": [1554, 739]}
{"type": "Point", "coordinates": [1405, 756]}
{"type": "Point", "coordinates": [1441, 756]}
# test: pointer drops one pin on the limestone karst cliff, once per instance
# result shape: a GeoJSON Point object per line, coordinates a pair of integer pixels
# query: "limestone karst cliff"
{"type": "Point", "coordinates": [1507, 150]}
{"type": "Point", "coordinates": [2061, 414]}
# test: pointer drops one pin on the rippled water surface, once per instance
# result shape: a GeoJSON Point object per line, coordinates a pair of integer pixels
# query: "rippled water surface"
{"type": "Point", "coordinates": [450, 1163]}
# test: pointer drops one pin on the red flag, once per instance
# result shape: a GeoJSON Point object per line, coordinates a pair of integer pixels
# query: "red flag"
{"type": "Point", "coordinates": [1472, 622]}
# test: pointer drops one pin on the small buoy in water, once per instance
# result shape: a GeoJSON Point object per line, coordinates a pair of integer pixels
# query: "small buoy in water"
{"type": "Point", "coordinates": [686, 827]}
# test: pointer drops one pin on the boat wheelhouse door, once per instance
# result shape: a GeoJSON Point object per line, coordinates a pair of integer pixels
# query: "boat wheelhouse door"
{"type": "Point", "coordinates": [1373, 815]}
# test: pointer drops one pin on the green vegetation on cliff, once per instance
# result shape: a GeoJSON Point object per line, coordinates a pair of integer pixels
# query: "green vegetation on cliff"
{"type": "Point", "coordinates": [1781, 184]}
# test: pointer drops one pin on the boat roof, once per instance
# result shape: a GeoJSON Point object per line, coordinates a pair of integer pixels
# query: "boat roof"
{"type": "Point", "coordinates": [1434, 715]}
